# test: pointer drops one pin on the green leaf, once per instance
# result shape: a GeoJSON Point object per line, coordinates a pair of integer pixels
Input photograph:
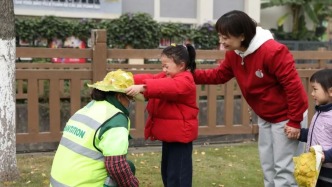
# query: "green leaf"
{"type": "Point", "coordinates": [282, 19]}
{"type": "Point", "coordinates": [310, 12]}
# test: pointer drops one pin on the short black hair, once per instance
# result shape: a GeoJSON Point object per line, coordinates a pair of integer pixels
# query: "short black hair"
{"type": "Point", "coordinates": [235, 23]}
{"type": "Point", "coordinates": [324, 78]}
{"type": "Point", "coordinates": [99, 95]}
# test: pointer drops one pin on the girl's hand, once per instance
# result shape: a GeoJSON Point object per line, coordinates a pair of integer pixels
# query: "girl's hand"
{"type": "Point", "coordinates": [135, 89]}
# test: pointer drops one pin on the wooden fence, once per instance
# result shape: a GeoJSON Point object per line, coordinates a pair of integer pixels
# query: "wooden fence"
{"type": "Point", "coordinates": [50, 93]}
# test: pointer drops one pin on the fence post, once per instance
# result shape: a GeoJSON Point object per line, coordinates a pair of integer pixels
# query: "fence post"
{"type": "Point", "coordinates": [321, 62]}
{"type": "Point", "coordinates": [99, 54]}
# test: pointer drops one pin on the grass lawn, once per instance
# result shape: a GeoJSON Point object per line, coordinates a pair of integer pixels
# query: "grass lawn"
{"type": "Point", "coordinates": [227, 165]}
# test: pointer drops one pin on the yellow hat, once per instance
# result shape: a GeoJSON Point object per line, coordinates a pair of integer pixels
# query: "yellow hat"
{"type": "Point", "coordinates": [116, 81]}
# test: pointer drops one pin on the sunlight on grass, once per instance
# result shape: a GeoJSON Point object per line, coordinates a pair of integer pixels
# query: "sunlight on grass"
{"type": "Point", "coordinates": [214, 165]}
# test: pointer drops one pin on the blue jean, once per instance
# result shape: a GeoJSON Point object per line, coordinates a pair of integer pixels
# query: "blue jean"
{"type": "Point", "coordinates": [176, 164]}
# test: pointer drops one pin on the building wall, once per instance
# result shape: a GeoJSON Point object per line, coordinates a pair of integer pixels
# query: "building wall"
{"type": "Point", "coordinates": [184, 11]}
{"type": "Point", "coordinates": [99, 9]}
{"type": "Point", "coordinates": [135, 6]}
{"type": "Point", "coordinates": [178, 9]}
{"type": "Point", "coordinates": [221, 7]}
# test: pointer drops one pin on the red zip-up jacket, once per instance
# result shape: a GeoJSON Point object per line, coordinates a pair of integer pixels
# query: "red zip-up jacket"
{"type": "Point", "coordinates": [171, 107]}
{"type": "Point", "coordinates": [268, 80]}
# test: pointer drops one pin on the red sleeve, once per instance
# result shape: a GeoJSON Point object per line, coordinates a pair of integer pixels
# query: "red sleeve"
{"type": "Point", "coordinates": [283, 67]}
{"type": "Point", "coordinates": [118, 168]}
{"type": "Point", "coordinates": [218, 75]}
{"type": "Point", "coordinates": [140, 78]}
{"type": "Point", "coordinates": [172, 89]}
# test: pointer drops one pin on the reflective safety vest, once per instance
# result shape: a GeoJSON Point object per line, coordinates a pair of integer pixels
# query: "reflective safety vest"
{"type": "Point", "coordinates": [77, 162]}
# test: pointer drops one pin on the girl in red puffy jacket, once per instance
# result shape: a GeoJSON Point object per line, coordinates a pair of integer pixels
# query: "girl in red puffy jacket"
{"type": "Point", "coordinates": [172, 112]}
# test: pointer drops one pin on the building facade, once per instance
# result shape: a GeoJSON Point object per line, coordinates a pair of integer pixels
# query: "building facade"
{"type": "Point", "coordinates": [194, 12]}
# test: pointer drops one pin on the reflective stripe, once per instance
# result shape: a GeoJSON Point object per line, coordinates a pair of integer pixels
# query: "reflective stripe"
{"type": "Point", "coordinates": [95, 155]}
{"type": "Point", "coordinates": [93, 124]}
{"type": "Point", "coordinates": [55, 183]}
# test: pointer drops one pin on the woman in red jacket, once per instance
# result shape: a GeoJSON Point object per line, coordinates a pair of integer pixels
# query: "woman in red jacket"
{"type": "Point", "coordinates": [172, 112]}
{"type": "Point", "coordinates": [266, 74]}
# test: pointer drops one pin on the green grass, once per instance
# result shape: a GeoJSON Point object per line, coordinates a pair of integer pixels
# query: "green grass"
{"type": "Point", "coordinates": [214, 166]}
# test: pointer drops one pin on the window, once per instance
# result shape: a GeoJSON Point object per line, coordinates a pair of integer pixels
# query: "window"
{"type": "Point", "coordinates": [61, 3]}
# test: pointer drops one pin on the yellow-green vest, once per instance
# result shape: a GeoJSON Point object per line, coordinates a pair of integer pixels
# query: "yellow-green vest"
{"type": "Point", "coordinates": [77, 162]}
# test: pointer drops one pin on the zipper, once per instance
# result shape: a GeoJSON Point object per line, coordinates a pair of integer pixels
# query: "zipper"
{"type": "Point", "coordinates": [242, 58]}
{"type": "Point", "coordinates": [313, 126]}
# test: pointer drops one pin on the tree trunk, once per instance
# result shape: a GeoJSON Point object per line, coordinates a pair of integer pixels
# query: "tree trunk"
{"type": "Point", "coordinates": [296, 13]}
{"type": "Point", "coordinates": [8, 165]}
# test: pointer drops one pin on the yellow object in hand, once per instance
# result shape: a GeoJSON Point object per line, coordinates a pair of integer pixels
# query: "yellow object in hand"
{"type": "Point", "coordinates": [305, 169]}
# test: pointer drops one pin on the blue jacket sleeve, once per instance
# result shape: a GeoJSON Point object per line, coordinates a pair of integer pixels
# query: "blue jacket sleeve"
{"type": "Point", "coordinates": [303, 135]}
{"type": "Point", "coordinates": [328, 156]}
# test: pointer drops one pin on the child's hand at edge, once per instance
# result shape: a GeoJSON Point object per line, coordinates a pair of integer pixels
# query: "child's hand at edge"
{"type": "Point", "coordinates": [323, 157]}
{"type": "Point", "coordinates": [135, 89]}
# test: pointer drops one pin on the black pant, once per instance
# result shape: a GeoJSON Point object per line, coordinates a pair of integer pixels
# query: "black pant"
{"type": "Point", "coordinates": [176, 164]}
{"type": "Point", "coordinates": [321, 183]}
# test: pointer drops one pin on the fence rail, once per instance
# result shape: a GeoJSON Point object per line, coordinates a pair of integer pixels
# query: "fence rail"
{"type": "Point", "coordinates": [49, 94]}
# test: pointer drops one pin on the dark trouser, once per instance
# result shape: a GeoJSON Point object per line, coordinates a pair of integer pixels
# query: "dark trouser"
{"type": "Point", "coordinates": [176, 164]}
{"type": "Point", "coordinates": [321, 183]}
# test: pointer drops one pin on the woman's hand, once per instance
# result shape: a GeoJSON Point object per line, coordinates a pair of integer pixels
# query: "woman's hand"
{"type": "Point", "coordinates": [291, 132]}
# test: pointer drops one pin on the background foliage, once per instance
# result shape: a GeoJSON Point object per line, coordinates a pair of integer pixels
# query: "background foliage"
{"type": "Point", "coordinates": [134, 31]}
{"type": "Point", "coordinates": [299, 12]}
{"type": "Point", "coordinates": [206, 37]}
{"type": "Point", "coordinates": [138, 31]}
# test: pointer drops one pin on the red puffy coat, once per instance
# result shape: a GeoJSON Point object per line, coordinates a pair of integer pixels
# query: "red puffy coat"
{"type": "Point", "coordinates": [171, 107]}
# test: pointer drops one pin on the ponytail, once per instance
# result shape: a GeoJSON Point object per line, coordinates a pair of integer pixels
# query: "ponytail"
{"type": "Point", "coordinates": [192, 58]}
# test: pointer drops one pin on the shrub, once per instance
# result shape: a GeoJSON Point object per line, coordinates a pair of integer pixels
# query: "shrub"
{"type": "Point", "coordinates": [138, 31]}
